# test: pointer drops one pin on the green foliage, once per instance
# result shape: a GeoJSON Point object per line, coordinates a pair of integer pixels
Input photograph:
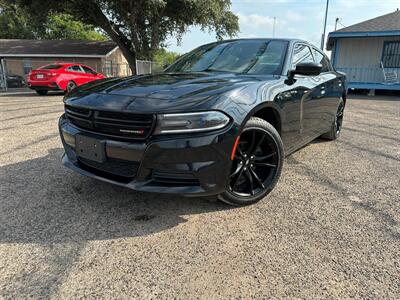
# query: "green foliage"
{"type": "Point", "coordinates": [141, 27]}
{"type": "Point", "coordinates": [17, 23]}
{"type": "Point", "coordinates": [64, 26]}
{"type": "Point", "coordinates": [163, 57]}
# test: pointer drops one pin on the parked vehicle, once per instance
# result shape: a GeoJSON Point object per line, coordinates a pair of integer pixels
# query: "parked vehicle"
{"type": "Point", "coordinates": [218, 121]}
{"type": "Point", "coordinates": [15, 81]}
{"type": "Point", "coordinates": [61, 77]}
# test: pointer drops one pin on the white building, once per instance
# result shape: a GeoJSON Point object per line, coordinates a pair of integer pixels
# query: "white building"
{"type": "Point", "coordinates": [369, 52]}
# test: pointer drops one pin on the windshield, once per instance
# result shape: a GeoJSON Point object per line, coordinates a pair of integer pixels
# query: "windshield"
{"type": "Point", "coordinates": [250, 57]}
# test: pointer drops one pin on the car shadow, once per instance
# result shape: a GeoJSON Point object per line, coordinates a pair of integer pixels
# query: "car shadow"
{"type": "Point", "coordinates": [43, 202]}
{"type": "Point", "coordinates": [18, 94]}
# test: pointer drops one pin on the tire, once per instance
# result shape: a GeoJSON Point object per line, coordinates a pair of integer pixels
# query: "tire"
{"type": "Point", "coordinates": [70, 86]}
{"type": "Point", "coordinates": [42, 92]}
{"type": "Point", "coordinates": [261, 160]}
{"type": "Point", "coordinates": [336, 126]}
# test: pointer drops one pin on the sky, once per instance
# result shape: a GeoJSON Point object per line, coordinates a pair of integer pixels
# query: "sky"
{"type": "Point", "coordinates": [294, 18]}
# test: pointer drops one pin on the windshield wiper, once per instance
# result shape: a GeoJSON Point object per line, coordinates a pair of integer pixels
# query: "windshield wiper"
{"type": "Point", "coordinates": [214, 70]}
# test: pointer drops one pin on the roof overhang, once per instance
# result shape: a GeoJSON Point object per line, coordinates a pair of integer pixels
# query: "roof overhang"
{"type": "Point", "coordinates": [337, 35]}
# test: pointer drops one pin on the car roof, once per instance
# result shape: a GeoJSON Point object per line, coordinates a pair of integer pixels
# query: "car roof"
{"type": "Point", "coordinates": [65, 64]}
{"type": "Point", "coordinates": [289, 40]}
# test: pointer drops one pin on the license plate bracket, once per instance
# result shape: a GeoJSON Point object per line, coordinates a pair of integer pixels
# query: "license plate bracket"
{"type": "Point", "coordinates": [90, 148]}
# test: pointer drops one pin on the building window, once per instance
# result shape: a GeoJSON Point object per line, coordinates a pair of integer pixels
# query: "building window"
{"type": "Point", "coordinates": [27, 66]}
{"type": "Point", "coordinates": [391, 55]}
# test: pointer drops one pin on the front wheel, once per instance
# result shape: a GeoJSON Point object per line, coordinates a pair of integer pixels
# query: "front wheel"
{"type": "Point", "coordinates": [256, 166]}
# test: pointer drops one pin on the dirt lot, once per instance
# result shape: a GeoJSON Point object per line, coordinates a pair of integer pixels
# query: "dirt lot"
{"type": "Point", "coordinates": [330, 229]}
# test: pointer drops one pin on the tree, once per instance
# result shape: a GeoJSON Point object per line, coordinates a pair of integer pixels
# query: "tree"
{"type": "Point", "coordinates": [63, 26]}
{"type": "Point", "coordinates": [141, 27]}
{"type": "Point", "coordinates": [16, 23]}
{"type": "Point", "coordinates": [163, 57]}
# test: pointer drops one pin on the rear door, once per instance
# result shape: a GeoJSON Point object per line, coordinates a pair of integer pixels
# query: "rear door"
{"type": "Point", "coordinates": [76, 74]}
{"type": "Point", "coordinates": [90, 75]}
{"type": "Point", "coordinates": [331, 90]}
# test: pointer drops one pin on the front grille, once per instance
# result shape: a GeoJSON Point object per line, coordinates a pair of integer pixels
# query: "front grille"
{"type": "Point", "coordinates": [125, 125]}
{"type": "Point", "coordinates": [121, 169]}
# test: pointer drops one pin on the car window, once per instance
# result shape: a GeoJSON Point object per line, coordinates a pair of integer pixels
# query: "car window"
{"type": "Point", "coordinates": [74, 69]}
{"type": "Point", "coordinates": [321, 59]}
{"type": "Point", "coordinates": [301, 54]}
{"type": "Point", "coordinates": [51, 67]}
{"type": "Point", "coordinates": [88, 70]}
{"type": "Point", "coordinates": [270, 60]}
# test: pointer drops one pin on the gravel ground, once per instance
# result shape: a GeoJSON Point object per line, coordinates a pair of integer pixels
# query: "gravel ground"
{"type": "Point", "coordinates": [330, 229]}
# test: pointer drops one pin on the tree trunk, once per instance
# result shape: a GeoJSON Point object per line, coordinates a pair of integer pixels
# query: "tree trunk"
{"type": "Point", "coordinates": [129, 56]}
{"type": "Point", "coordinates": [122, 42]}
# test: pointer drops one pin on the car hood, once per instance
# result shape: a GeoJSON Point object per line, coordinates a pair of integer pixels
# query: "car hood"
{"type": "Point", "coordinates": [159, 92]}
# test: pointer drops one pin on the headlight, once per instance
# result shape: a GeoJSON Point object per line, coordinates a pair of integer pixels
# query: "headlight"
{"type": "Point", "coordinates": [190, 122]}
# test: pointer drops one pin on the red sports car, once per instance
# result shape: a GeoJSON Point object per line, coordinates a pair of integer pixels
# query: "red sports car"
{"type": "Point", "coordinates": [61, 76]}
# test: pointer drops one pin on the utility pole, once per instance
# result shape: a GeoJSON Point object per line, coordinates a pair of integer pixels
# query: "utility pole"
{"type": "Point", "coordinates": [336, 22]}
{"type": "Point", "coordinates": [326, 17]}
{"type": "Point", "coordinates": [273, 27]}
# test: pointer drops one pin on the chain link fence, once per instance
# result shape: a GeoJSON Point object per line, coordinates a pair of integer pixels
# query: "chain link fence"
{"type": "Point", "coordinates": [14, 71]}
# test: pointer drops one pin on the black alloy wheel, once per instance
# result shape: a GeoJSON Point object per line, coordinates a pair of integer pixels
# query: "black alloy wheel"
{"type": "Point", "coordinates": [339, 118]}
{"type": "Point", "coordinates": [70, 86]}
{"type": "Point", "coordinates": [257, 164]}
{"type": "Point", "coordinates": [337, 124]}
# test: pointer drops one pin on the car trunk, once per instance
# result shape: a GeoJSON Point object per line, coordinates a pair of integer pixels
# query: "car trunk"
{"type": "Point", "coordinates": [41, 74]}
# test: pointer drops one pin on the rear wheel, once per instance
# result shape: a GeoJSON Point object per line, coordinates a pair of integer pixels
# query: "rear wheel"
{"type": "Point", "coordinates": [70, 86]}
{"type": "Point", "coordinates": [257, 164]}
{"type": "Point", "coordinates": [336, 127]}
{"type": "Point", "coordinates": [42, 92]}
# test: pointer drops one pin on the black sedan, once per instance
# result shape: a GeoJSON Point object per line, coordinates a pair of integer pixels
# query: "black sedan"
{"type": "Point", "coordinates": [15, 81]}
{"type": "Point", "coordinates": [219, 121]}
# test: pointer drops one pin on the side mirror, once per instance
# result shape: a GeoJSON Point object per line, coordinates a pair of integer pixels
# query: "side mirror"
{"type": "Point", "coordinates": [306, 69]}
{"type": "Point", "coordinates": [165, 66]}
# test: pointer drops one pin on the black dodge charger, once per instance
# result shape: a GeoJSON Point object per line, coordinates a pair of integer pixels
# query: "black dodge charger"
{"type": "Point", "coordinates": [219, 121]}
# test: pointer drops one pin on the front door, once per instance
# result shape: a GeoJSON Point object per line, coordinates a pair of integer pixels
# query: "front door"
{"type": "Point", "coordinates": [320, 108]}
{"type": "Point", "coordinates": [311, 91]}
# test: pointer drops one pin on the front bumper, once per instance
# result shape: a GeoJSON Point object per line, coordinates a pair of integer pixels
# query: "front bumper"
{"type": "Point", "coordinates": [191, 165]}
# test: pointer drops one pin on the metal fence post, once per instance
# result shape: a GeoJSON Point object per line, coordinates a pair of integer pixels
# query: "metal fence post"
{"type": "Point", "coordinates": [3, 73]}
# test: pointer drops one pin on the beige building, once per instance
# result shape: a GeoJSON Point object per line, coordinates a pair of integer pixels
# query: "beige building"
{"type": "Point", "coordinates": [369, 52]}
{"type": "Point", "coordinates": [19, 57]}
